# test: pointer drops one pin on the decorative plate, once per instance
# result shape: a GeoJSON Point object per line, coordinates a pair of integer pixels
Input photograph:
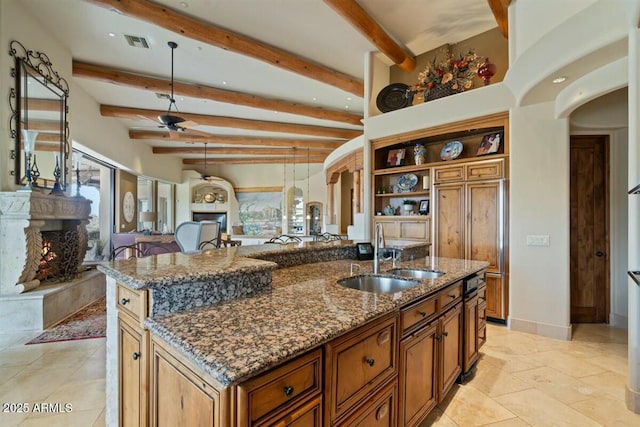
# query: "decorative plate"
{"type": "Point", "coordinates": [393, 97]}
{"type": "Point", "coordinates": [209, 198]}
{"type": "Point", "coordinates": [407, 181]}
{"type": "Point", "coordinates": [451, 150]}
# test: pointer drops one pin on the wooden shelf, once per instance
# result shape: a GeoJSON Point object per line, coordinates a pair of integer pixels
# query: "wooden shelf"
{"type": "Point", "coordinates": [425, 166]}
{"type": "Point", "coordinates": [408, 194]}
{"type": "Point", "coordinates": [396, 217]}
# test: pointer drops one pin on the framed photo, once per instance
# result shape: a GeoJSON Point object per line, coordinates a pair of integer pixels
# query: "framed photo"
{"type": "Point", "coordinates": [396, 157]}
{"type": "Point", "coordinates": [490, 143]}
{"type": "Point", "coordinates": [423, 208]}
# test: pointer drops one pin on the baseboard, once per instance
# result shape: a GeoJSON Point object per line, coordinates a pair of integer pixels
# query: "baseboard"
{"type": "Point", "coordinates": [632, 399]}
{"type": "Point", "coordinates": [618, 321]}
{"type": "Point", "coordinates": [542, 329]}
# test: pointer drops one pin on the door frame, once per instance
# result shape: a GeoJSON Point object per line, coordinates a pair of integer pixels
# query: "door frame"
{"type": "Point", "coordinates": [607, 216]}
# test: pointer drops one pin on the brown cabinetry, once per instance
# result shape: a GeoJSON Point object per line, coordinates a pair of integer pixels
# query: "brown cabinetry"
{"type": "Point", "coordinates": [133, 372]}
{"type": "Point", "coordinates": [496, 296]}
{"type": "Point", "coordinates": [378, 411]}
{"type": "Point", "coordinates": [357, 363]}
{"type": "Point", "coordinates": [449, 340]}
{"type": "Point", "coordinates": [471, 341]}
{"type": "Point", "coordinates": [415, 228]}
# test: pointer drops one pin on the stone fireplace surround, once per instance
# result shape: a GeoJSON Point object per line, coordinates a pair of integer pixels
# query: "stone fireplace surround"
{"type": "Point", "coordinates": [25, 303]}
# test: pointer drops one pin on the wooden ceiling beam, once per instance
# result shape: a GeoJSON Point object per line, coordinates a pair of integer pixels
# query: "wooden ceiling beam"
{"type": "Point", "coordinates": [231, 122]}
{"type": "Point", "coordinates": [500, 9]}
{"type": "Point", "coordinates": [353, 13]}
{"type": "Point", "coordinates": [136, 81]}
{"type": "Point", "coordinates": [239, 151]}
{"type": "Point", "coordinates": [245, 161]}
{"type": "Point", "coordinates": [196, 29]}
{"type": "Point", "coordinates": [314, 144]}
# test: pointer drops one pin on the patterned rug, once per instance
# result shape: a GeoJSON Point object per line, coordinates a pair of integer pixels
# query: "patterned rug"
{"type": "Point", "coordinates": [89, 322]}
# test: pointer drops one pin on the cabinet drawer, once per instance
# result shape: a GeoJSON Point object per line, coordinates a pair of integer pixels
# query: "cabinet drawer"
{"type": "Point", "coordinates": [417, 314]}
{"type": "Point", "coordinates": [359, 362]}
{"type": "Point", "coordinates": [132, 302]}
{"type": "Point", "coordinates": [485, 170]}
{"type": "Point", "coordinates": [280, 387]}
{"type": "Point", "coordinates": [308, 415]}
{"type": "Point", "coordinates": [379, 411]}
{"type": "Point", "coordinates": [449, 296]}
{"type": "Point", "coordinates": [449, 174]}
{"type": "Point", "coordinates": [414, 230]}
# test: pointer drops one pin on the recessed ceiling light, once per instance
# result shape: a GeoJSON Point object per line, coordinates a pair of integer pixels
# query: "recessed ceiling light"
{"type": "Point", "coordinates": [349, 99]}
{"type": "Point", "coordinates": [314, 98]}
{"type": "Point", "coordinates": [224, 82]}
{"type": "Point", "coordinates": [184, 4]}
{"type": "Point", "coordinates": [559, 79]}
{"type": "Point", "coordinates": [112, 34]}
{"type": "Point", "coordinates": [346, 106]}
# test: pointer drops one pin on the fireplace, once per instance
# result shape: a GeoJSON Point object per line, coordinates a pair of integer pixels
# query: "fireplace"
{"type": "Point", "coordinates": [59, 260]}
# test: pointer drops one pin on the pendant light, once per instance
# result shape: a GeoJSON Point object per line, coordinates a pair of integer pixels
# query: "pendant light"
{"type": "Point", "coordinates": [308, 193]}
{"type": "Point", "coordinates": [284, 188]}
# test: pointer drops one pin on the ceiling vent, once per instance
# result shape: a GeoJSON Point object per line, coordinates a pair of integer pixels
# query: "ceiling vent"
{"type": "Point", "coordinates": [163, 95]}
{"type": "Point", "coordinates": [136, 41]}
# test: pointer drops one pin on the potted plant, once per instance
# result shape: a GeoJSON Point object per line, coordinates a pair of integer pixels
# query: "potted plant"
{"type": "Point", "coordinates": [408, 205]}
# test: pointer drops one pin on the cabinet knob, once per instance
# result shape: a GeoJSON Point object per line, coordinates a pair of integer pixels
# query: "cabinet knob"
{"type": "Point", "coordinates": [136, 356]}
{"type": "Point", "coordinates": [422, 313]}
{"type": "Point", "coordinates": [124, 301]}
{"type": "Point", "coordinates": [452, 296]}
{"type": "Point", "coordinates": [437, 337]}
{"type": "Point", "coordinates": [370, 362]}
{"type": "Point", "coordinates": [445, 334]}
{"type": "Point", "coordinates": [288, 391]}
{"type": "Point", "coordinates": [382, 412]}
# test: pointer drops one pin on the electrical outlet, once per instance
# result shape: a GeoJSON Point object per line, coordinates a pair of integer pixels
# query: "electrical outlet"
{"type": "Point", "coordinates": [538, 240]}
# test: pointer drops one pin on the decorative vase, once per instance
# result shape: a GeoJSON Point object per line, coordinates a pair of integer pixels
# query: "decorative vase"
{"type": "Point", "coordinates": [419, 154]}
{"type": "Point", "coordinates": [486, 71]}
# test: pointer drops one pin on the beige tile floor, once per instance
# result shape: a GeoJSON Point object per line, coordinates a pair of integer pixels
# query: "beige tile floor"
{"type": "Point", "coordinates": [522, 380]}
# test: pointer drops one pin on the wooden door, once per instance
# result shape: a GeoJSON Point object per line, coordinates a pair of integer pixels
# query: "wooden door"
{"type": "Point", "coordinates": [450, 357]}
{"type": "Point", "coordinates": [495, 297]}
{"type": "Point", "coordinates": [589, 241]}
{"type": "Point", "coordinates": [471, 342]}
{"type": "Point", "coordinates": [484, 223]}
{"type": "Point", "coordinates": [132, 371]}
{"type": "Point", "coordinates": [417, 375]}
{"type": "Point", "coordinates": [449, 221]}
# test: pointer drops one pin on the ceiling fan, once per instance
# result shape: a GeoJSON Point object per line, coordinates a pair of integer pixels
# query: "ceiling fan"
{"type": "Point", "coordinates": [169, 121]}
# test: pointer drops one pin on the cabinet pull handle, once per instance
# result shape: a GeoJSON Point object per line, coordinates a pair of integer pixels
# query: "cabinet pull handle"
{"type": "Point", "coordinates": [382, 411]}
{"type": "Point", "coordinates": [422, 313]}
{"type": "Point", "coordinates": [136, 356]}
{"type": "Point", "coordinates": [124, 301]}
{"type": "Point", "coordinates": [288, 391]}
{"type": "Point", "coordinates": [445, 334]}
{"type": "Point", "coordinates": [383, 337]}
{"type": "Point", "coordinates": [452, 296]}
{"type": "Point", "coordinates": [369, 362]}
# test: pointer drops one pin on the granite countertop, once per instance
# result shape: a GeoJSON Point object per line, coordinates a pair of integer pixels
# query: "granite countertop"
{"type": "Point", "coordinates": [304, 308]}
{"type": "Point", "coordinates": [179, 268]}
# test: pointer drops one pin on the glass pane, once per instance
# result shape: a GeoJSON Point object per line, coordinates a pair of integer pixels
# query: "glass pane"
{"type": "Point", "coordinates": [296, 213]}
{"type": "Point", "coordinates": [145, 203]}
{"type": "Point", "coordinates": [165, 207]}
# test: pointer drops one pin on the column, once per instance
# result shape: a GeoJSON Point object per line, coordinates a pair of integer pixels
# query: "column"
{"type": "Point", "coordinates": [330, 208]}
{"type": "Point", "coordinates": [356, 192]}
{"type": "Point", "coordinates": [633, 381]}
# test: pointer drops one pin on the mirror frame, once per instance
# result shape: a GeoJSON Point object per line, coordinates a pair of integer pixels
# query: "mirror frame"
{"type": "Point", "coordinates": [40, 64]}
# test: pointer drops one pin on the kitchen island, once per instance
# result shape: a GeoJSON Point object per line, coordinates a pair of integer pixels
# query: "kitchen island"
{"type": "Point", "coordinates": [241, 344]}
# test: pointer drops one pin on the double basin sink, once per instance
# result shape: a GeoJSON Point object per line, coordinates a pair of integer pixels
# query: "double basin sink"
{"type": "Point", "coordinates": [388, 284]}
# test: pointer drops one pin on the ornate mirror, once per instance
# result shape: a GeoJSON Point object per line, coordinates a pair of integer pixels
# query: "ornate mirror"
{"type": "Point", "coordinates": [38, 104]}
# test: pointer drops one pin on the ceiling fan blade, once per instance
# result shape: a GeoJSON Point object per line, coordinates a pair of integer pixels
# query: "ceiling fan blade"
{"type": "Point", "coordinates": [173, 134]}
{"type": "Point", "coordinates": [188, 124]}
{"type": "Point", "coordinates": [198, 132]}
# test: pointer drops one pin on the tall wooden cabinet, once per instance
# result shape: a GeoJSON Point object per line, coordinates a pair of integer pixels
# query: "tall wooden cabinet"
{"type": "Point", "coordinates": [468, 194]}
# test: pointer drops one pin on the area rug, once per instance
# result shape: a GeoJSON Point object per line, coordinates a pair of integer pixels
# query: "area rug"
{"type": "Point", "coordinates": [89, 322]}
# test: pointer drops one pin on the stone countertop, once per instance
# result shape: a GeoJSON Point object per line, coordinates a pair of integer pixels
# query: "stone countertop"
{"type": "Point", "coordinates": [304, 308]}
{"type": "Point", "coordinates": [178, 268]}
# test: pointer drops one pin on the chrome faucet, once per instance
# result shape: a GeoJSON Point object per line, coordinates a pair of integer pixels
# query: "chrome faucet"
{"type": "Point", "coordinates": [378, 240]}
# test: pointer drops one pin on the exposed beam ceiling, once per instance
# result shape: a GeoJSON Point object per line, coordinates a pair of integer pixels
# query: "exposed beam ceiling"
{"type": "Point", "coordinates": [241, 151]}
{"type": "Point", "coordinates": [368, 27]}
{"type": "Point", "coordinates": [208, 33]}
{"type": "Point", "coordinates": [202, 119]}
{"type": "Point", "coordinates": [249, 161]}
{"type": "Point", "coordinates": [124, 78]}
{"type": "Point", "coordinates": [237, 140]}
{"type": "Point", "coordinates": [500, 9]}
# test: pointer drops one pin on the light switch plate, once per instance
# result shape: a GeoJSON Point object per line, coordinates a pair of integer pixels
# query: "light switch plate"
{"type": "Point", "coordinates": [538, 240]}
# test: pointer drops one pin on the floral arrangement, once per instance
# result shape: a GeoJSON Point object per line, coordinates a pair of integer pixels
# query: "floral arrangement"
{"type": "Point", "coordinates": [454, 71]}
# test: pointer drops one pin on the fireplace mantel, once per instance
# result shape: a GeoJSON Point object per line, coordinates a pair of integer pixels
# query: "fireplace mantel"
{"type": "Point", "coordinates": [22, 216]}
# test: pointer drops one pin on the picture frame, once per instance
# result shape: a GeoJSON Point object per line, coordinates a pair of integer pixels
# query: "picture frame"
{"type": "Point", "coordinates": [396, 157]}
{"type": "Point", "coordinates": [490, 143]}
{"type": "Point", "coordinates": [423, 207]}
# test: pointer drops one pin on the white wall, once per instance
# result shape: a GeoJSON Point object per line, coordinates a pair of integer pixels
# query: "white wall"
{"type": "Point", "coordinates": [539, 205]}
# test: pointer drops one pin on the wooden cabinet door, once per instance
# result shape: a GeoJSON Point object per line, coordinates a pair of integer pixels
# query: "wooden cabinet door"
{"type": "Point", "coordinates": [449, 220]}
{"type": "Point", "coordinates": [417, 375]}
{"type": "Point", "coordinates": [495, 297]}
{"type": "Point", "coordinates": [180, 397]}
{"type": "Point", "coordinates": [484, 223]}
{"type": "Point", "coordinates": [132, 372]}
{"type": "Point", "coordinates": [450, 356]}
{"type": "Point", "coordinates": [471, 343]}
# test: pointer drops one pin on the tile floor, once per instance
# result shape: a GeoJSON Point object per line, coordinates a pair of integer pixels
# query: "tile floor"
{"type": "Point", "coordinates": [522, 380]}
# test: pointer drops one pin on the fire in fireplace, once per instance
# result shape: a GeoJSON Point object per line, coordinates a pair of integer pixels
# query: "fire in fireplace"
{"type": "Point", "coordinates": [59, 261]}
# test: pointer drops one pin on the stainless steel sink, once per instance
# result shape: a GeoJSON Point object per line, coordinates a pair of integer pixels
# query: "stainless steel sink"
{"type": "Point", "coordinates": [378, 284]}
{"type": "Point", "coordinates": [417, 273]}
